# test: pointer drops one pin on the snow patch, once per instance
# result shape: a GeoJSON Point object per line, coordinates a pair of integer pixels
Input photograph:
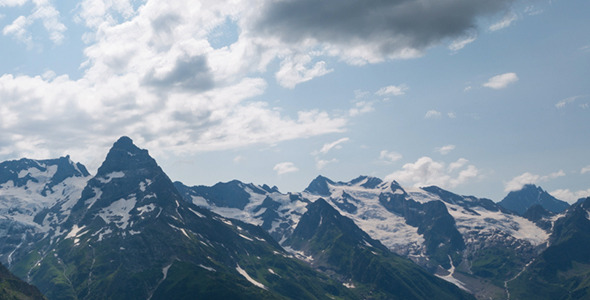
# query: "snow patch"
{"type": "Point", "coordinates": [118, 212]}
{"type": "Point", "coordinates": [299, 254]}
{"type": "Point", "coordinates": [146, 208]}
{"type": "Point", "coordinates": [452, 279]}
{"type": "Point", "coordinates": [245, 237]}
{"type": "Point", "coordinates": [349, 285]}
{"type": "Point", "coordinates": [254, 282]}
{"type": "Point", "coordinates": [196, 213]}
{"type": "Point", "coordinates": [75, 232]}
{"type": "Point", "coordinates": [207, 268]}
{"type": "Point", "coordinates": [180, 229]}
{"type": "Point", "coordinates": [38, 174]}
{"type": "Point", "coordinates": [107, 178]}
{"type": "Point", "coordinates": [97, 195]}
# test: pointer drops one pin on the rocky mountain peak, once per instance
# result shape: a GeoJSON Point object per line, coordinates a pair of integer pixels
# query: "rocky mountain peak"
{"type": "Point", "coordinates": [124, 155]}
{"type": "Point", "coordinates": [319, 186]}
{"type": "Point", "coordinates": [530, 194]}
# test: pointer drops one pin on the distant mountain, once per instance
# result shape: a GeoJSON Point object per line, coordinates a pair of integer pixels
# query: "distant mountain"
{"type": "Point", "coordinates": [130, 232]}
{"type": "Point", "coordinates": [472, 242]}
{"type": "Point", "coordinates": [530, 194]}
{"type": "Point", "coordinates": [562, 271]}
{"type": "Point", "coordinates": [335, 244]}
{"type": "Point", "coordinates": [35, 196]}
{"type": "Point", "coordinates": [131, 236]}
{"type": "Point", "coordinates": [11, 287]}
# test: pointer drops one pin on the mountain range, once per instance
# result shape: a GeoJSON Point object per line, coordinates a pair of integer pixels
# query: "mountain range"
{"type": "Point", "coordinates": [130, 232]}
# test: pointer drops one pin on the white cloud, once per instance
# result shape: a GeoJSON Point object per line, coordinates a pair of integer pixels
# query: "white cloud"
{"type": "Point", "coordinates": [562, 103]}
{"type": "Point", "coordinates": [553, 175]}
{"type": "Point", "coordinates": [360, 94]}
{"type": "Point", "coordinates": [460, 43]}
{"type": "Point", "coordinates": [425, 171]}
{"type": "Point", "coordinates": [501, 81]}
{"type": "Point", "coordinates": [294, 70]}
{"type": "Point", "coordinates": [151, 74]}
{"type": "Point", "coordinates": [43, 11]}
{"type": "Point", "coordinates": [528, 178]}
{"type": "Point", "coordinates": [392, 90]}
{"type": "Point", "coordinates": [334, 145]}
{"type": "Point", "coordinates": [452, 115]}
{"type": "Point", "coordinates": [444, 150]}
{"type": "Point", "coordinates": [519, 181]}
{"type": "Point", "coordinates": [320, 163]}
{"type": "Point", "coordinates": [431, 114]}
{"type": "Point", "coordinates": [18, 29]}
{"type": "Point", "coordinates": [11, 3]}
{"type": "Point", "coordinates": [570, 196]}
{"type": "Point", "coordinates": [389, 156]}
{"type": "Point", "coordinates": [505, 22]}
{"type": "Point", "coordinates": [585, 170]}
{"type": "Point", "coordinates": [284, 168]}
{"type": "Point", "coordinates": [457, 164]}
{"type": "Point", "coordinates": [531, 10]}
{"type": "Point", "coordinates": [361, 107]}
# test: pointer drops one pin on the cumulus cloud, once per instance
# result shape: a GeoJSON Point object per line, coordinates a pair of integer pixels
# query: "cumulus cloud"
{"type": "Point", "coordinates": [570, 196]}
{"type": "Point", "coordinates": [43, 11]}
{"type": "Point", "coordinates": [284, 168]}
{"type": "Point", "coordinates": [151, 74]}
{"type": "Point", "coordinates": [501, 81]}
{"type": "Point", "coordinates": [444, 150]}
{"type": "Point", "coordinates": [585, 170]}
{"type": "Point", "coordinates": [528, 178]}
{"type": "Point", "coordinates": [295, 70]}
{"type": "Point", "coordinates": [11, 3]}
{"type": "Point", "coordinates": [425, 171]}
{"type": "Point", "coordinates": [432, 114]}
{"type": "Point", "coordinates": [334, 145]}
{"type": "Point", "coordinates": [389, 156]}
{"type": "Point", "coordinates": [361, 107]}
{"type": "Point", "coordinates": [392, 90]}
{"type": "Point", "coordinates": [362, 32]}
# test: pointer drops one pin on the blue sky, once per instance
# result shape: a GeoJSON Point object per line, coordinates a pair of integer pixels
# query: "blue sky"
{"type": "Point", "coordinates": [478, 97]}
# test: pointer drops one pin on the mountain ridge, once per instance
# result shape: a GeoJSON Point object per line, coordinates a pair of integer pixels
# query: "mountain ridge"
{"type": "Point", "coordinates": [529, 195]}
{"type": "Point", "coordinates": [131, 221]}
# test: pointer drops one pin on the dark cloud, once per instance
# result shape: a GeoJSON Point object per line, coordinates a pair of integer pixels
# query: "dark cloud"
{"type": "Point", "coordinates": [387, 25]}
{"type": "Point", "coordinates": [189, 73]}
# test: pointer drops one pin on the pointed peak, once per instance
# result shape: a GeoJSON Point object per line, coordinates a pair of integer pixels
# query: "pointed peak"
{"type": "Point", "coordinates": [321, 202]}
{"type": "Point", "coordinates": [531, 187]}
{"type": "Point", "coordinates": [322, 178]}
{"type": "Point", "coordinates": [273, 189]}
{"type": "Point", "coordinates": [319, 186]}
{"type": "Point", "coordinates": [124, 155]}
{"type": "Point", "coordinates": [124, 142]}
